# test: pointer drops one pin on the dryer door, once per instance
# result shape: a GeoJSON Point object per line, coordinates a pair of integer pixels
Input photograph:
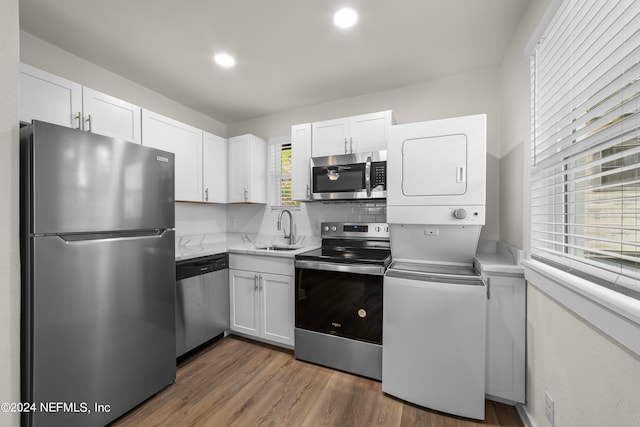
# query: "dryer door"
{"type": "Point", "coordinates": [436, 171]}
{"type": "Point", "coordinates": [434, 166]}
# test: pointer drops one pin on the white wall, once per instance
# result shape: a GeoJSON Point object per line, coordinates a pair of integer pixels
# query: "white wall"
{"type": "Point", "coordinates": [463, 94]}
{"type": "Point", "coordinates": [193, 219]}
{"type": "Point", "coordinates": [592, 379]}
{"type": "Point", "coordinates": [9, 222]}
{"type": "Point", "coordinates": [43, 55]}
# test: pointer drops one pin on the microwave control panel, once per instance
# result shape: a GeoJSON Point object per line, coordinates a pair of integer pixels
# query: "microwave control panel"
{"type": "Point", "coordinates": [379, 175]}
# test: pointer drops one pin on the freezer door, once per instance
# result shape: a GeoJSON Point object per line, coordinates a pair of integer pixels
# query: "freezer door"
{"type": "Point", "coordinates": [82, 182]}
{"type": "Point", "coordinates": [101, 324]}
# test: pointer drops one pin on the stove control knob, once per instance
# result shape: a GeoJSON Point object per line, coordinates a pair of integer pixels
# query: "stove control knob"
{"type": "Point", "coordinates": [378, 229]}
{"type": "Point", "coordinates": [325, 228]}
{"type": "Point", "coordinates": [334, 228]}
{"type": "Point", "coordinates": [460, 213]}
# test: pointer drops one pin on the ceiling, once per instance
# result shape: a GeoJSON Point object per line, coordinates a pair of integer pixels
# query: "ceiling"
{"type": "Point", "coordinates": [289, 54]}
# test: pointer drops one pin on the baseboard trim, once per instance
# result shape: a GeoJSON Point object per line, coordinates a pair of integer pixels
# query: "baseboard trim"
{"type": "Point", "coordinates": [525, 416]}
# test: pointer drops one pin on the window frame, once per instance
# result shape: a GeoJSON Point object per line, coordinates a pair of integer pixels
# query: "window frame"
{"type": "Point", "coordinates": [275, 175]}
{"type": "Point", "coordinates": [610, 311]}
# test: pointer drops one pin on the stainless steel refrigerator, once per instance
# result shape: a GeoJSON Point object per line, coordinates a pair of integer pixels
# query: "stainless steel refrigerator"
{"type": "Point", "coordinates": [98, 275]}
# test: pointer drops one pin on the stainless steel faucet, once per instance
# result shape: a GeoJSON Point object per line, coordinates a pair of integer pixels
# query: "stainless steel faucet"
{"type": "Point", "coordinates": [291, 236]}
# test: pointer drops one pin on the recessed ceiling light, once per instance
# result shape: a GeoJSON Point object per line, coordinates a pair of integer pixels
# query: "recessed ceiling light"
{"type": "Point", "coordinates": [345, 17]}
{"type": "Point", "coordinates": [224, 60]}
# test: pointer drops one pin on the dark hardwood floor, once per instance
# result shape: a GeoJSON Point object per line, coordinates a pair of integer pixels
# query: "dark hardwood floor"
{"type": "Point", "coordinates": [237, 382]}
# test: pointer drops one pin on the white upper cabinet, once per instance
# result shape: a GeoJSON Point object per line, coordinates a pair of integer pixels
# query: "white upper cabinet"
{"type": "Point", "coordinates": [369, 132]}
{"type": "Point", "coordinates": [301, 152]}
{"type": "Point", "coordinates": [106, 115]}
{"type": "Point", "coordinates": [330, 137]}
{"type": "Point", "coordinates": [186, 143]}
{"type": "Point", "coordinates": [215, 157]}
{"type": "Point", "coordinates": [49, 98]}
{"type": "Point", "coordinates": [247, 169]}
{"type": "Point", "coordinates": [357, 134]}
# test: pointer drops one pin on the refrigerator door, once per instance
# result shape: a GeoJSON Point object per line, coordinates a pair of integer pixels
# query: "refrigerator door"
{"type": "Point", "coordinates": [83, 182]}
{"type": "Point", "coordinates": [102, 324]}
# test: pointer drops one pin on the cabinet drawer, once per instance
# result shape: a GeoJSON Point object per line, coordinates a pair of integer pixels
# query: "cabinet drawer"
{"type": "Point", "coordinates": [262, 264]}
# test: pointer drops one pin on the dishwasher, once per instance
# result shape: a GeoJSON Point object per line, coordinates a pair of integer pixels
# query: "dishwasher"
{"type": "Point", "coordinates": [202, 301]}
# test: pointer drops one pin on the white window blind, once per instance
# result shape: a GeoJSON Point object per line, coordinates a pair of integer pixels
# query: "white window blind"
{"type": "Point", "coordinates": [280, 171]}
{"type": "Point", "coordinates": [585, 175]}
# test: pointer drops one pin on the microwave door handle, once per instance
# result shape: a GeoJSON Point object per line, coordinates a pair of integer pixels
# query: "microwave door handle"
{"type": "Point", "coordinates": [367, 176]}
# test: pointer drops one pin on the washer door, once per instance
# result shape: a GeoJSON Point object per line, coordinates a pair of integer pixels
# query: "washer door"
{"type": "Point", "coordinates": [434, 343]}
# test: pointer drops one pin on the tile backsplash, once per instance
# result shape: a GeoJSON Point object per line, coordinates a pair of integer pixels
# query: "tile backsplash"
{"type": "Point", "coordinates": [262, 219]}
{"type": "Point", "coordinates": [199, 219]}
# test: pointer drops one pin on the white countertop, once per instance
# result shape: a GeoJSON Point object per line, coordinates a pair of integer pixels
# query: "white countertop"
{"type": "Point", "coordinates": [189, 247]}
{"type": "Point", "coordinates": [497, 258]}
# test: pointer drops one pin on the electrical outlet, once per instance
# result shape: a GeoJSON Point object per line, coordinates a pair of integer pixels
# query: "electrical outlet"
{"type": "Point", "coordinates": [548, 407]}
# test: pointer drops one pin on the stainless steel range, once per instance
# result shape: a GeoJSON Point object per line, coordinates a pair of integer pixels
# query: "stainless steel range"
{"type": "Point", "coordinates": [339, 298]}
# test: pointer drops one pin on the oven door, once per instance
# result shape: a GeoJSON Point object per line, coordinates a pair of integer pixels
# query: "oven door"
{"type": "Point", "coordinates": [340, 300]}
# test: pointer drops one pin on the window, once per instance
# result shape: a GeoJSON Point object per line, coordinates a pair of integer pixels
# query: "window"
{"type": "Point", "coordinates": [280, 171]}
{"type": "Point", "coordinates": [585, 157]}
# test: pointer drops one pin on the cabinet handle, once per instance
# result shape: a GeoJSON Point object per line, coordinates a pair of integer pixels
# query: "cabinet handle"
{"type": "Point", "coordinates": [488, 287]}
{"type": "Point", "coordinates": [246, 194]}
{"type": "Point", "coordinates": [90, 121]}
{"type": "Point", "coordinates": [345, 146]}
{"type": "Point", "coordinates": [206, 194]}
{"type": "Point", "coordinates": [308, 192]}
{"type": "Point", "coordinates": [79, 117]}
{"type": "Point", "coordinates": [260, 279]}
{"type": "Point", "coordinates": [255, 282]}
{"type": "Point", "coordinates": [351, 141]}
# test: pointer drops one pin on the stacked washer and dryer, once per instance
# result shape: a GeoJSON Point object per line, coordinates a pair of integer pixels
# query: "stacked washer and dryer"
{"type": "Point", "coordinates": [434, 301]}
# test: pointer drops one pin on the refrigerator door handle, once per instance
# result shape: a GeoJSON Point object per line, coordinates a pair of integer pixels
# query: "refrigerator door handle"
{"type": "Point", "coordinates": [82, 237]}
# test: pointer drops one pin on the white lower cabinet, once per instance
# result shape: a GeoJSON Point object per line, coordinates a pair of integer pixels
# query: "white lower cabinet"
{"type": "Point", "coordinates": [261, 292]}
{"type": "Point", "coordinates": [506, 338]}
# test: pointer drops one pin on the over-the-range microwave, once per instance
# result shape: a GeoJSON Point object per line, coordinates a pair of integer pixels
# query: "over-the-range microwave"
{"type": "Point", "coordinates": [349, 176]}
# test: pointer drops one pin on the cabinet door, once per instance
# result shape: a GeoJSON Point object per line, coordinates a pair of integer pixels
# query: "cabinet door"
{"type": "Point", "coordinates": [506, 330]}
{"type": "Point", "coordinates": [248, 169]}
{"type": "Point", "coordinates": [369, 132]}
{"type": "Point", "coordinates": [183, 140]}
{"type": "Point", "coordinates": [238, 169]}
{"type": "Point", "coordinates": [257, 173]}
{"type": "Point", "coordinates": [49, 98]}
{"type": "Point", "coordinates": [301, 153]}
{"type": "Point", "coordinates": [330, 138]}
{"type": "Point", "coordinates": [244, 309]}
{"type": "Point", "coordinates": [277, 307]}
{"type": "Point", "coordinates": [106, 115]}
{"type": "Point", "coordinates": [214, 168]}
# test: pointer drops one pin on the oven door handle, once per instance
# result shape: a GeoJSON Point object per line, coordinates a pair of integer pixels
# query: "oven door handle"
{"type": "Point", "coordinates": [374, 270]}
